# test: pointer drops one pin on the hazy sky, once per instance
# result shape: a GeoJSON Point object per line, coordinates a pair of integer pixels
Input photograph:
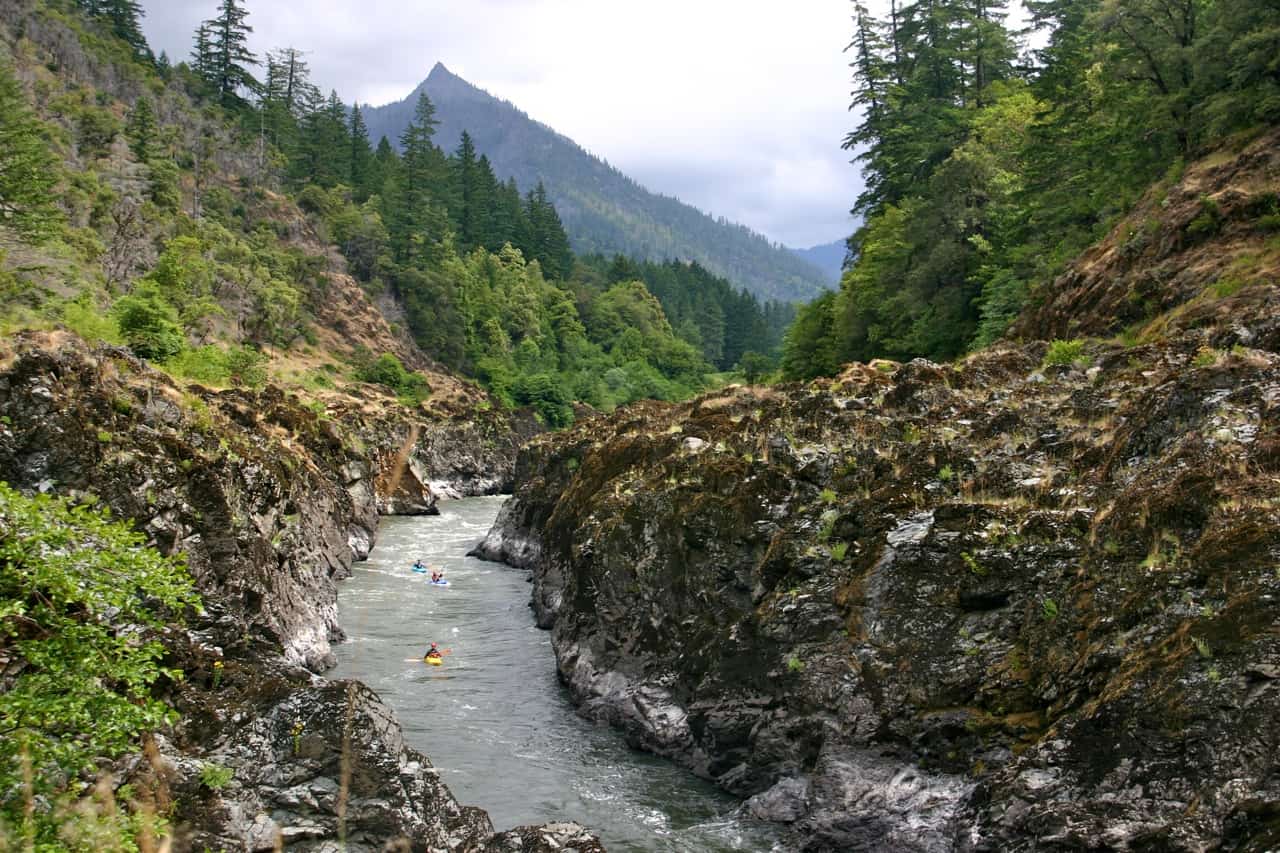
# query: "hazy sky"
{"type": "Point", "coordinates": [736, 106]}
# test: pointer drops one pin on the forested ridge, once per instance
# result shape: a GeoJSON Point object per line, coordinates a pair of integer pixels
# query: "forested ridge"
{"type": "Point", "coordinates": [605, 212]}
{"type": "Point", "coordinates": [176, 185]}
{"type": "Point", "coordinates": [988, 167]}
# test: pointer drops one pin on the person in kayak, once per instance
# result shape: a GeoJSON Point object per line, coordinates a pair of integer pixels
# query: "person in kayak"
{"type": "Point", "coordinates": [433, 653]}
{"type": "Point", "coordinates": [437, 574]}
{"type": "Point", "coordinates": [418, 567]}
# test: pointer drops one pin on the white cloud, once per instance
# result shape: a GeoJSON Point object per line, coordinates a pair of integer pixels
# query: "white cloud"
{"type": "Point", "coordinates": [736, 106]}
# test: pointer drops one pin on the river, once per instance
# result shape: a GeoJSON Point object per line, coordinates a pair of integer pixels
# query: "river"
{"type": "Point", "coordinates": [494, 719]}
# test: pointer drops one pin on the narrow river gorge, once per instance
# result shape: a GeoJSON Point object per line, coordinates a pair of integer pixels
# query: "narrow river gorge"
{"type": "Point", "coordinates": [495, 720]}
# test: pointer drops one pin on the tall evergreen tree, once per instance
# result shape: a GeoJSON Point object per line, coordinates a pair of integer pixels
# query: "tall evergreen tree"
{"type": "Point", "coordinates": [229, 53]}
{"type": "Point", "coordinates": [468, 196]}
{"type": "Point", "coordinates": [549, 244]}
{"type": "Point", "coordinates": [202, 54]}
{"type": "Point", "coordinates": [418, 218]}
{"type": "Point", "coordinates": [27, 168]}
{"type": "Point", "coordinates": [141, 129]}
{"type": "Point", "coordinates": [360, 156]}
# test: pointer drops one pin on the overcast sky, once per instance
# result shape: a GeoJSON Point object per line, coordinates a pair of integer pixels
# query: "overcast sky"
{"type": "Point", "coordinates": [735, 106]}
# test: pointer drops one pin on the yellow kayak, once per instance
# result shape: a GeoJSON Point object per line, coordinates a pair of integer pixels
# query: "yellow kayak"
{"type": "Point", "coordinates": [434, 661]}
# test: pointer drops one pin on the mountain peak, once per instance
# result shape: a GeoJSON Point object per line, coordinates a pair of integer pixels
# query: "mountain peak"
{"type": "Point", "coordinates": [602, 209]}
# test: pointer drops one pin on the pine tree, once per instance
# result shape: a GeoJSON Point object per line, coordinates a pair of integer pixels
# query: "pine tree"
{"type": "Point", "coordinates": [27, 168]}
{"type": "Point", "coordinates": [202, 54]}
{"type": "Point", "coordinates": [418, 220]}
{"type": "Point", "coordinates": [468, 208]}
{"type": "Point", "coordinates": [549, 244]}
{"type": "Point", "coordinates": [323, 155]}
{"type": "Point", "coordinates": [229, 53]}
{"type": "Point", "coordinates": [141, 129]}
{"type": "Point", "coordinates": [124, 16]}
{"type": "Point", "coordinates": [360, 156]}
{"type": "Point", "coordinates": [384, 166]}
{"type": "Point", "coordinates": [487, 189]}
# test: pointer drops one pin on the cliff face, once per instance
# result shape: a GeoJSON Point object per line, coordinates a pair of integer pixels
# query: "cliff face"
{"type": "Point", "coordinates": [270, 503]}
{"type": "Point", "coordinates": [983, 606]}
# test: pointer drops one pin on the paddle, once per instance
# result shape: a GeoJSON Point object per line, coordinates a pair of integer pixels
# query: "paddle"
{"type": "Point", "coordinates": [419, 660]}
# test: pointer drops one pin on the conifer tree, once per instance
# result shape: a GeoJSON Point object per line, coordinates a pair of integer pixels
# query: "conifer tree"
{"type": "Point", "coordinates": [360, 155]}
{"type": "Point", "coordinates": [549, 244]}
{"type": "Point", "coordinates": [141, 129]}
{"type": "Point", "coordinates": [417, 220]}
{"type": "Point", "coordinates": [124, 17]}
{"type": "Point", "coordinates": [384, 166]}
{"type": "Point", "coordinates": [468, 195]}
{"type": "Point", "coordinates": [229, 54]}
{"type": "Point", "coordinates": [27, 168]}
{"type": "Point", "coordinates": [202, 54]}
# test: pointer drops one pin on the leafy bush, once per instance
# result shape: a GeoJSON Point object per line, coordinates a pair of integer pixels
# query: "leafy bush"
{"type": "Point", "coordinates": [387, 370]}
{"type": "Point", "coordinates": [547, 398]}
{"type": "Point", "coordinates": [88, 322]}
{"type": "Point", "coordinates": [1065, 353]}
{"type": "Point", "coordinates": [71, 582]}
{"type": "Point", "coordinates": [215, 777]}
{"type": "Point", "coordinates": [149, 324]}
{"type": "Point", "coordinates": [247, 366]}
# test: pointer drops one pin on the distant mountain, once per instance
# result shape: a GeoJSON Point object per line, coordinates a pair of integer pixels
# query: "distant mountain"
{"type": "Point", "coordinates": [829, 258]}
{"type": "Point", "coordinates": [602, 209]}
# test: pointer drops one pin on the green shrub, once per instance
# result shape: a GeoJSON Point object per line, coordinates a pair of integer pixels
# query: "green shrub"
{"type": "Point", "coordinates": [149, 324]}
{"type": "Point", "coordinates": [87, 321]}
{"type": "Point", "coordinates": [547, 397]}
{"type": "Point", "coordinates": [206, 365]}
{"type": "Point", "coordinates": [1065, 354]}
{"type": "Point", "coordinates": [215, 777]}
{"type": "Point", "coordinates": [1208, 222]}
{"type": "Point", "coordinates": [70, 580]}
{"type": "Point", "coordinates": [247, 366]}
{"type": "Point", "coordinates": [386, 370]}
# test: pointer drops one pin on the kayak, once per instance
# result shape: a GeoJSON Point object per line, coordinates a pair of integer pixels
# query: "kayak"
{"type": "Point", "coordinates": [433, 661]}
{"type": "Point", "coordinates": [438, 583]}
{"type": "Point", "coordinates": [421, 571]}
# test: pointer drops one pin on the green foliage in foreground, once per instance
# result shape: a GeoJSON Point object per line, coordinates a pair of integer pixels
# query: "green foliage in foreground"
{"type": "Point", "coordinates": [78, 594]}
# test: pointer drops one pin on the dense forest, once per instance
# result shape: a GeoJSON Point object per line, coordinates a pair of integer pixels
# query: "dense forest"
{"type": "Point", "coordinates": [481, 267]}
{"type": "Point", "coordinates": [988, 169]}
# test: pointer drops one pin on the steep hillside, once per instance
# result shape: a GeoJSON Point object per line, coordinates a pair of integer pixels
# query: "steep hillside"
{"type": "Point", "coordinates": [604, 211]}
{"type": "Point", "coordinates": [1202, 251]}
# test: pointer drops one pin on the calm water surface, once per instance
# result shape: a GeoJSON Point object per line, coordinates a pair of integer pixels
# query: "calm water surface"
{"type": "Point", "coordinates": [494, 719]}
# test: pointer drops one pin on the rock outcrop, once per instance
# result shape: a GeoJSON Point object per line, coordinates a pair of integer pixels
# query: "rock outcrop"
{"type": "Point", "coordinates": [994, 605]}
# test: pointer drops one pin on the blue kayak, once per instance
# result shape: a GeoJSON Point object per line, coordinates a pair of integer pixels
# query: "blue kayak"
{"type": "Point", "coordinates": [421, 571]}
{"type": "Point", "coordinates": [438, 583]}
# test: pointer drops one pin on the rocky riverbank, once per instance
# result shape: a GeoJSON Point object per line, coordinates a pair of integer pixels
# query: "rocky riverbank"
{"type": "Point", "coordinates": [995, 605]}
{"type": "Point", "coordinates": [270, 501]}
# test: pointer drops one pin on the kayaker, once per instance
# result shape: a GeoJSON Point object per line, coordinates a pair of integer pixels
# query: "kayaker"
{"type": "Point", "coordinates": [433, 653]}
{"type": "Point", "coordinates": [437, 575]}
{"type": "Point", "coordinates": [418, 567]}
